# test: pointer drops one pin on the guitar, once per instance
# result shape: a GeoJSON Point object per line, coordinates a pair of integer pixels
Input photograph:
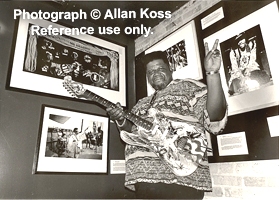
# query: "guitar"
{"type": "Point", "coordinates": [180, 146]}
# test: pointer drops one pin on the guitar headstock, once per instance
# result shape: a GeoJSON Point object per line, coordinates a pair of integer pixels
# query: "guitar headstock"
{"type": "Point", "coordinates": [74, 88]}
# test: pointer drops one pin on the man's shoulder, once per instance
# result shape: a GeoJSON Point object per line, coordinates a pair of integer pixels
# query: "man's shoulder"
{"type": "Point", "coordinates": [145, 99]}
{"type": "Point", "coordinates": [142, 101]}
{"type": "Point", "coordinates": [188, 80]}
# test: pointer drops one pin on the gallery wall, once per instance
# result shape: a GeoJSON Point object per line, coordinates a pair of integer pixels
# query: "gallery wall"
{"type": "Point", "coordinates": [252, 176]}
{"type": "Point", "coordinates": [249, 121]}
{"type": "Point", "coordinates": [20, 115]}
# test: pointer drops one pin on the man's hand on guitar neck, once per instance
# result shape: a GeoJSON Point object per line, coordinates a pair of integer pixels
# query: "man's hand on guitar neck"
{"type": "Point", "coordinates": [118, 115]}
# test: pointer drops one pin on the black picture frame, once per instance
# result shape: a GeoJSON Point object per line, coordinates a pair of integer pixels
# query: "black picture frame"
{"type": "Point", "coordinates": [40, 62]}
{"type": "Point", "coordinates": [71, 141]}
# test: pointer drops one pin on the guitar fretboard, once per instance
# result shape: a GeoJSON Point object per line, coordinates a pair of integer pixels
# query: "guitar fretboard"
{"type": "Point", "coordinates": [128, 115]}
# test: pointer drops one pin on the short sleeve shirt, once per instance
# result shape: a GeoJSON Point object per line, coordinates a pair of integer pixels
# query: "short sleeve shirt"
{"type": "Point", "coordinates": [184, 100]}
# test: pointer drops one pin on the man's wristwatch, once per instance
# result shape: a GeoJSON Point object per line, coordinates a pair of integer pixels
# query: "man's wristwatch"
{"type": "Point", "coordinates": [212, 72]}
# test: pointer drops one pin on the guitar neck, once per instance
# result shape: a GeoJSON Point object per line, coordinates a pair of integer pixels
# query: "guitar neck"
{"type": "Point", "coordinates": [128, 115]}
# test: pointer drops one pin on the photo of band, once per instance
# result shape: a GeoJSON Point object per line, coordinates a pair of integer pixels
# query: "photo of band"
{"type": "Point", "coordinates": [177, 56]}
{"type": "Point", "coordinates": [72, 143]}
{"type": "Point", "coordinates": [58, 56]}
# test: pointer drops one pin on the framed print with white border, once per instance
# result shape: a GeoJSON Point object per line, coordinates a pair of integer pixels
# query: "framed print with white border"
{"type": "Point", "coordinates": [42, 59]}
{"type": "Point", "coordinates": [71, 142]}
{"type": "Point", "coordinates": [249, 68]}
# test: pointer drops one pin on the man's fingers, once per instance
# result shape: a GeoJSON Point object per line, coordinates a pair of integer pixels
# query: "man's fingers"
{"type": "Point", "coordinates": [212, 51]}
{"type": "Point", "coordinates": [116, 112]}
{"type": "Point", "coordinates": [215, 44]}
{"type": "Point", "coordinates": [216, 53]}
{"type": "Point", "coordinates": [206, 48]}
{"type": "Point", "coordinates": [108, 109]}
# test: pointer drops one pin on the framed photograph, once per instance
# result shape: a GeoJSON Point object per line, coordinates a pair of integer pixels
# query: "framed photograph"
{"type": "Point", "coordinates": [181, 48]}
{"type": "Point", "coordinates": [41, 61]}
{"type": "Point", "coordinates": [249, 70]}
{"type": "Point", "coordinates": [71, 141]}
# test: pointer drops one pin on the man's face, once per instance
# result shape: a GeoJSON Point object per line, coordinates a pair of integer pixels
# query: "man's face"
{"type": "Point", "coordinates": [158, 74]}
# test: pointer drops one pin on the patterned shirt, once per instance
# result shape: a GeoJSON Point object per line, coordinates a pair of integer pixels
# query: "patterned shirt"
{"type": "Point", "coordinates": [184, 100]}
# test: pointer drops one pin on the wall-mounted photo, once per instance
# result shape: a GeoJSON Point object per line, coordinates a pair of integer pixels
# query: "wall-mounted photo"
{"type": "Point", "coordinates": [41, 61]}
{"type": "Point", "coordinates": [245, 62]}
{"type": "Point", "coordinates": [249, 69]}
{"type": "Point", "coordinates": [182, 51]}
{"type": "Point", "coordinates": [71, 141]}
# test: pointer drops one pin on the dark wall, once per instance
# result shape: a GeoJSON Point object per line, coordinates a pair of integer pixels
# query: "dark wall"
{"type": "Point", "coordinates": [20, 115]}
{"type": "Point", "coordinates": [261, 146]}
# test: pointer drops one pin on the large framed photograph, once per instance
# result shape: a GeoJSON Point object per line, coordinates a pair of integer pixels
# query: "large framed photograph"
{"type": "Point", "coordinates": [41, 61]}
{"type": "Point", "coordinates": [249, 70]}
{"type": "Point", "coordinates": [71, 142]}
{"type": "Point", "coordinates": [181, 48]}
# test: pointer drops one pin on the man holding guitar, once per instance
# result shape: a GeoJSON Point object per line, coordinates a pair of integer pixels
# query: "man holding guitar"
{"type": "Point", "coordinates": [183, 111]}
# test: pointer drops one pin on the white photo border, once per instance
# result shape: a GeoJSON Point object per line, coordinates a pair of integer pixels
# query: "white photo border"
{"type": "Point", "coordinates": [46, 164]}
{"type": "Point", "coordinates": [30, 82]}
{"type": "Point", "coordinates": [263, 97]}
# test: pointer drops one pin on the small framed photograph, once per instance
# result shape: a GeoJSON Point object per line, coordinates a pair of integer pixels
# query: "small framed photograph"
{"type": "Point", "coordinates": [41, 61]}
{"type": "Point", "coordinates": [249, 68]}
{"type": "Point", "coordinates": [181, 48]}
{"type": "Point", "coordinates": [71, 142]}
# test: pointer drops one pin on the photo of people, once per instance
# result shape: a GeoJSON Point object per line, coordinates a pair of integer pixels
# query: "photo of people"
{"type": "Point", "coordinates": [245, 62]}
{"type": "Point", "coordinates": [63, 141]}
{"type": "Point", "coordinates": [177, 56]}
{"type": "Point", "coordinates": [60, 56]}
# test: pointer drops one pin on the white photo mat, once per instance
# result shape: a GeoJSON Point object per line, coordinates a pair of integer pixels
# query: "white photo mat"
{"type": "Point", "coordinates": [267, 17]}
{"type": "Point", "coordinates": [47, 164]}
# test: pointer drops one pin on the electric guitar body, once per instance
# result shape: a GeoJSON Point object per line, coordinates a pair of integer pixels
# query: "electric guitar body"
{"type": "Point", "coordinates": [180, 145]}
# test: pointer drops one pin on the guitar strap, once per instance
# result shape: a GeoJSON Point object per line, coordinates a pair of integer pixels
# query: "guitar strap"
{"type": "Point", "coordinates": [153, 98]}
